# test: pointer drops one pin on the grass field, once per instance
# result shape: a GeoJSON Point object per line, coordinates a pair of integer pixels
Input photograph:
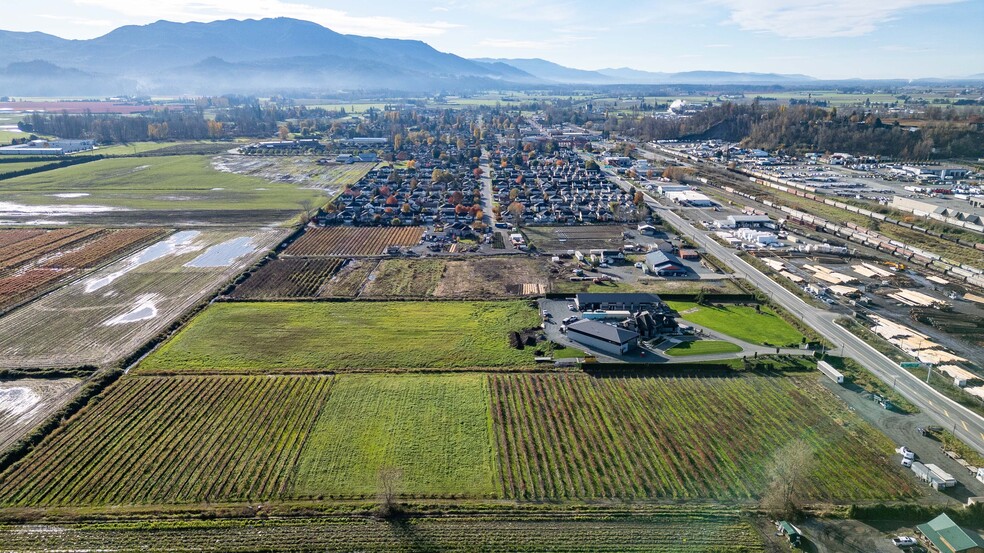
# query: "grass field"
{"type": "Point", "coordinates": [21, 165]}
{"type": "Point", "coordinates": [434, 430]}
{"type": "Point", "coordinates": [174, 440]}
{"type": "Point", "coordinates": [572, 436]}
{"type": "Point", "coordinates": [132, 148]}
{"type": "Point", "coordinates": [302, 170]}
{"type": "Point", "coordinates": [158, 183]}
{"type": "Point", "coordinates": [659, 529]}
{"type": "Point", "coordinates": [702, 347]}
{"type": "Point", "coordinates": [741, 322]}
{"type": "Point", "coordinates": [334, 336]}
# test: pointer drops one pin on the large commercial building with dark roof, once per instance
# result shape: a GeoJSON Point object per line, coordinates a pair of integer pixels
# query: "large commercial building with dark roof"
{"type": "Point", "coordinates": [603, 337]}
{"type": "Point", "coordinates": [618, 302]}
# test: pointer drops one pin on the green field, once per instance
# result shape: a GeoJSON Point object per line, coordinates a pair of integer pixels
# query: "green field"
{"type": "Point", "coordinates": [159, 183]}
{"type": "Point", "coordinates": [434, 430]}
{"type": "Point", "coordinates": [21, 165]}
{"type": "Point", "coordinates": [741, 322]}
{"type": "Point", "coordinates": [562, 437]}
{"type": "Point", "coordinates": [286, 336]}
{"type": "Point", "coordinates": [132, 148]}
{"type": "Point", "coordinates": [702, 347]}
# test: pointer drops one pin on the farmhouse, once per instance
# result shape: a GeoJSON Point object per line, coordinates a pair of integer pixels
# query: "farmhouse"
{"type": "Point", "coordinates": [665, 264]}
{"type": "Point", "coordinates": [602, 337]}
{"type": "Point", "coordinates": [618, 302]}
{"type": "Point", "coordinates": [947, 537]}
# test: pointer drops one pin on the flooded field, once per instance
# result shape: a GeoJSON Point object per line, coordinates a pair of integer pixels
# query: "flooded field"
{"type": "Point", "coordinates": [26, 402]}
{"type": "Point", "coordinates": [101, 319]}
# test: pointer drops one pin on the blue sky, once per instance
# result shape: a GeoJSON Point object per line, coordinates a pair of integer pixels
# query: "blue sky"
{"type": "Point", "coordinates": [822, 38]}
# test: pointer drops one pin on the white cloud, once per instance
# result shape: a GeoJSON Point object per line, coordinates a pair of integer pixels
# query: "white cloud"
{"type": "Point", "coordinates": [208, 10]}
{"type": "Point", "coordinates": [820, 19]}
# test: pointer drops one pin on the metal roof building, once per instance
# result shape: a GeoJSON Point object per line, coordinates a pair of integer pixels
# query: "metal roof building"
{"type": "Point", "coordinates": [617, 302]}
{"type": "Point", "coordinates": [947, 537]}
{"type": "Point", "coordinates": [603, 337]}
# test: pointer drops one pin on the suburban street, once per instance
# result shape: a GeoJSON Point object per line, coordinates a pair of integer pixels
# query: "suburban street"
{"type": "Point", "coordinates": [965, 424]}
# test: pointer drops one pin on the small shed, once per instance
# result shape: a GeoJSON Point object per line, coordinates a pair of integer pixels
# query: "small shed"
{"type": "Point", "coordinates": [793, 533]}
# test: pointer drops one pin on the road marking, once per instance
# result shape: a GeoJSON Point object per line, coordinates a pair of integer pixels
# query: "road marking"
{"type": "Point", "coordinates": [947, 413]}
{"type": "Point", "coordinates": [964, 423]}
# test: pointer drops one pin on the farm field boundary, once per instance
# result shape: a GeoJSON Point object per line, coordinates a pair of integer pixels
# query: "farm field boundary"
{"type": "Point", "coordinates": [48, 268]}
{"type": "Point", "coordinates": [563, 437]}
{"type": "Point", "coordinates": [673, 529]}
{"type": "Point", "coordinates": [353, 241]}
{"type": "Point", "coordinates": [294, 336]}
{"type": "Point", "coordinates": [101, 319]}
{"type": "Point", "coordinates": [174, 440]}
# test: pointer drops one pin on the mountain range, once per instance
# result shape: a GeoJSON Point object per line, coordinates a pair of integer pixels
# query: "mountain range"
{"type": "Point", "coordinates": [282, 55]}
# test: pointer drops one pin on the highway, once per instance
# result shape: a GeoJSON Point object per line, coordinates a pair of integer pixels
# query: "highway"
{"type": "Point", "coordinates": [965, 424]}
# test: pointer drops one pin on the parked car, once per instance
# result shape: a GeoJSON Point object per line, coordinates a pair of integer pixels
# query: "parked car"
{"type": "Point", "coordinates": [904, 541]}
{"type": "Point", "coordinates": [569, 320]}
{"type": "Point", "coordinates": [571, 307]}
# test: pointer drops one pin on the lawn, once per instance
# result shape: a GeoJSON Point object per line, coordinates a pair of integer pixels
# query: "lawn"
{"type": "Point", "coordinates": [158, 183]}
{"type": "Point", "coordinates": [433, 430]}
{"type": "Point", "coordinates": [284, 336]}
{"type": "Point", "coordinates": [702, 347]}
{"type": "Point", "coordinates": [741, 322]}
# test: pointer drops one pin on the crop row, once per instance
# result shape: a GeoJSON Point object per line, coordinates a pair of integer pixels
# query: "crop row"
{"type": "Point", "coordinates": [289, 277]}
{"type": "Point", "coordinates": [174, 440]}
{"type": "Point", "coordinates": [624, 437]}
{"type": "Point", "coordinates": [32, 279]}
{"type": "Point", "coordinates": [668, 532]}
{"type": "Point", "coordinates": [346, 241]}
{"type": "Point", "coordinates": [14, 289]}
{"type": "Point", "coordinates": [104, 246]}
{"type": "Point", "coordinates": [11, 236]}
{"type": "Point", "coordinates": [25, 250]}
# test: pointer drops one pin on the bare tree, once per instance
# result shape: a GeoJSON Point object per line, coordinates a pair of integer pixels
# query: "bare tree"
{"type": "Point", "coordinates": [388, 482]}
{"type": "Point", "coordinates": [789, 474]}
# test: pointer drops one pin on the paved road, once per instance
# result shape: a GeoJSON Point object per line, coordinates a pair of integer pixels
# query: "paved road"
{"type": "Point", "coordinates": [965, 424]}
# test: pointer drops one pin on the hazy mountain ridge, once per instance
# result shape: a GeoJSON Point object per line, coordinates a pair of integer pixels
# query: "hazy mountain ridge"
{"type": "Point", "coordinates": [282, 54]}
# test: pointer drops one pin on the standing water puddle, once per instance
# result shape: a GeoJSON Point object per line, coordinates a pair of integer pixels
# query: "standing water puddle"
{"type": "Point", "coordinates": [177, 244]}
{"type": "Point", "coordinates": [222, 255]}
{"type": "Point", "coordinates": [18, 400]}
{"type": "Point", "coordinates": [145, 309]}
